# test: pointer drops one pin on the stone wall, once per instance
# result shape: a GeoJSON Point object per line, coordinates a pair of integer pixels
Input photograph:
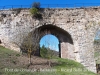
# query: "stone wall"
{"type": "Point", "coordinates": [80, 23]}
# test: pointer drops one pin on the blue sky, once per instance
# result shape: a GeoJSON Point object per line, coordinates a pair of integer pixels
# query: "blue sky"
{"type": "Point", "coordinates": [97, 35]}
{"type": "Point", "coordinates": [29, 2]}
{"type": "Point", "coordinates": [50, 41]}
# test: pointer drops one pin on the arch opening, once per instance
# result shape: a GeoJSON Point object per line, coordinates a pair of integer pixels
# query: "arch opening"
{"type": "Point", "coordinates": [66, 46]}
{"type": "Point", "coordinates": [50, 42]}
{"type": "Point", "coordinates": [97, 50]}
{"type": "Point", "coordinates": [65, 40]}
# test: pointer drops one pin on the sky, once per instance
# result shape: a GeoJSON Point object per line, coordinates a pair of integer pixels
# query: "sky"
{"type": "Point", "coordinates": [50, 41]}
{"type": "Point", "coordinates": [29, 2]}
{"type": "Point", "coordinates": [97, 36]}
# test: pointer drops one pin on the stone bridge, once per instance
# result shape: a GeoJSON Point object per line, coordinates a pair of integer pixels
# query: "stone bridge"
{"type": "Point", "coordinates": [75, 28]}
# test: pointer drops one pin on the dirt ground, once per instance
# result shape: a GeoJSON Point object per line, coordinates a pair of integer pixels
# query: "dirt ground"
{"type": "Point", "coordinates": [37, 62]}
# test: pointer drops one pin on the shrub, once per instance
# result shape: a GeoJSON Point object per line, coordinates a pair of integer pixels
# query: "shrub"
{"type": "Point", "coordinates": [36, 5]}
{"type": "Point", "coordinates": [46, 52]}
{"type": "Point", "coordinates": [34, 11]}
{"type": "Point", "coordinates": [43, 52]}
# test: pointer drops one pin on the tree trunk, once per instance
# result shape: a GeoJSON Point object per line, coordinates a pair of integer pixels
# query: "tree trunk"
{"type": "Point", "coordinates": [30, 59]}
{"type": "Point", "coordinates": [49, 63]}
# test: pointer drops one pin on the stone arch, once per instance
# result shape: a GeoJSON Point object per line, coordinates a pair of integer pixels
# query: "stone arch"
{"type": "Point", "coordinates": [97, 49]}
{"type": "Point", "coordinates": [88, 53]}
{"type": "Point", "coordinates": [65, 39]}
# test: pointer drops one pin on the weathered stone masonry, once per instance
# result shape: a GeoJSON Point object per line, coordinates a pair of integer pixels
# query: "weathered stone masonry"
{"type": "Point", "coordinates": [76, 25]}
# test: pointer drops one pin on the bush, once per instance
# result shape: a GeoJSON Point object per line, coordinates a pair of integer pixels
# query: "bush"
{"type": "Point", "coordinates": [34, 11]}
{"type": "Point", "coordinates": [46, 52]}
{"type": "Point", "coordinates": [43, 52]}
{"type": "Point", "coordinates": [36, 5]}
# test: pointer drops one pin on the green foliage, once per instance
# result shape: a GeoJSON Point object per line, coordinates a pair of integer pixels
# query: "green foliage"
{"type": "Point", "coordinates": [50, 53]}
{"type": "Point", "coordinates": [43, 51]}
{"type": "Point", "coordinates": [17, 55]}
{"type": "Point", "coordinates": [46, 52]}
{"type": "Point", "coordinates": [34, 11]}
{"type": "Point", "coordinates": [36, 5]}
{"type": "Point", "coordinates": [96, 41]}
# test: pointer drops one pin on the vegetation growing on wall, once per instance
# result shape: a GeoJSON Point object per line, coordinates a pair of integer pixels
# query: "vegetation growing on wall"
{"type": "Point", "coordinates": [35, 10]}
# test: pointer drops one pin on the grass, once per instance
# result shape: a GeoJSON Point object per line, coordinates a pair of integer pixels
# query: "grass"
{"type": "Point", "coordinates": [8, 60]}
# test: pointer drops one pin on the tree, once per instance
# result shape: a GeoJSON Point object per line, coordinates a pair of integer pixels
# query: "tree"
{"type": "Point", "coordinates": [36, 5]}
{"type": "Point", "coordinates": [46, 53]}
{"type": "Point", "coordinates": [30, 43]}
{"type": "Point", "coordinates": [43, 51]}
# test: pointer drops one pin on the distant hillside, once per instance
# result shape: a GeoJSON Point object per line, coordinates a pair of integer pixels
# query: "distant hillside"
{"type": "Point", "coordinates": [56, 53]}
{"type": "Point", "coordinates": [45, 52]}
